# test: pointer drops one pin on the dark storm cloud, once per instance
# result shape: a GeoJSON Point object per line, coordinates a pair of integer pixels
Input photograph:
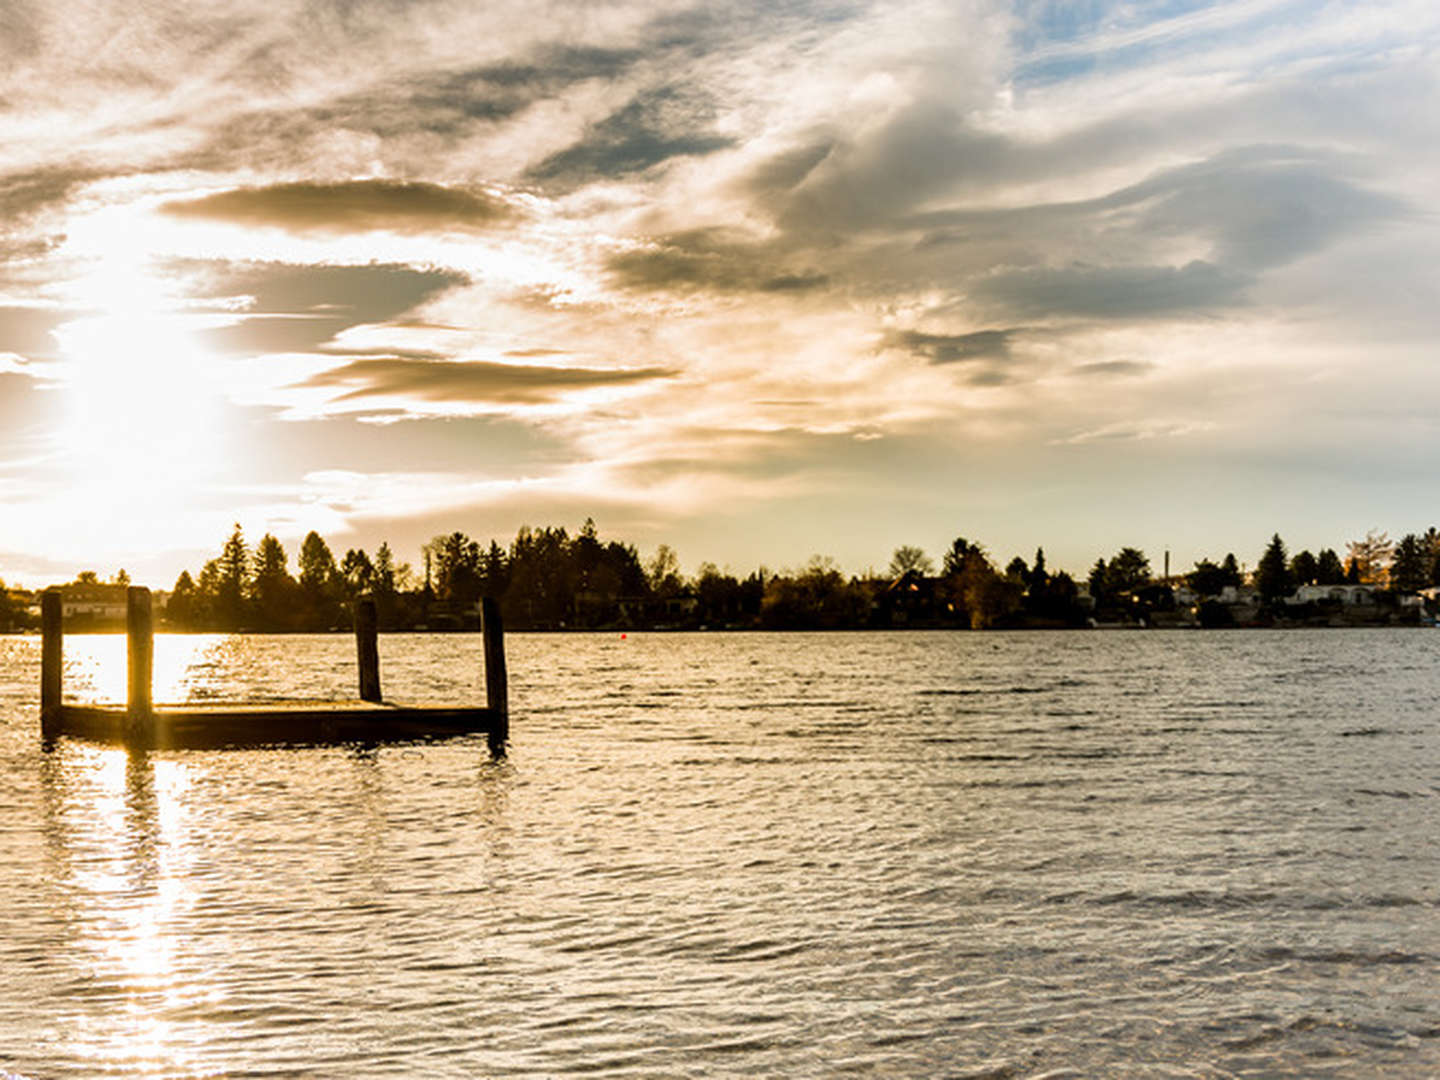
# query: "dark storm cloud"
{"type": "Point", "coordinates": [659, 124]}
{"type": "Point", "coordinates": [954, 348]}
{"type": "Point", "coordinates": [1114, 292]}
{"type": "Point", "coordinates": [356, 206]}
{"type": "Point", "coordinates": [722, 260]}
{"type": "Point", "coordinates": [297, 308]}
{"type": "Point", "coordinates": [470, 381]}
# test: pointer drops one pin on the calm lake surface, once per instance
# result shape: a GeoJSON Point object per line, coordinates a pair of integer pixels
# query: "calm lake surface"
{"type": "Point", "coordinates": [909, 855]}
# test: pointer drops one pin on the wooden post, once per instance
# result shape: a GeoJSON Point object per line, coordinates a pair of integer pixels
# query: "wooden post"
{"type": "Point", "coordinates": [139, 711]}
{"type": "Point", "coordinates": [497, 692]}
{"type": "Point", "coordinates": [52, 658]}
{"type": "Point", "coordinates": [367, 649]}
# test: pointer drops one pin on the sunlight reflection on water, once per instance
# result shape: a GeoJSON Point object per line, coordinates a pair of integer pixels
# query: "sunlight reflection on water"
{"type": "Point", "coordinates": [1011, 855]}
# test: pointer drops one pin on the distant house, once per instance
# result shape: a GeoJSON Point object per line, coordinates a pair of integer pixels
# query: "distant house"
{"type": "Point", "coordinates": [1344, 595]}
{"type": "Point", "coordinates": [1246, 595]}
{"type": "Point", "coordinates": [912, 597]}
{"type": "Point", "coordinates": [92, 602]}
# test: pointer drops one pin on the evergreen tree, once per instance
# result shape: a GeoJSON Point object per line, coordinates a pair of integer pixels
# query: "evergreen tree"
{"type": "Point", "coordinates": [455, 567]}
{"type": "Point", "coordinates": [1409, 571]}
{"type": "Point", "coordinates": [272, 589]}
{"type": "Point", "coordinates": [1099, 583]}
{"type": "Point", "coordinates": [317, 564]}
{"type": "Point", "coordinates": [233, 583]}
{"type": "Point", "coordinates": [1329, 570]}
{"type": "Point", "coordinates": [1231, 569]}
{"type": "Point", "coordinates": [1304, 569]}
{"type": "Point", "coordinates": [1272, 575]}
{"type": "Point", "coordinates": [318, 588]}
{"type": "Point", "coordinates": [495, 572]}
{"type": "Point", "coordinates": [384, 576]}
{"type": "Point", "coordinates": [357, 573]}
{"type": "Point", "coordinates": [207, 596]}
{"type": "Point", "coordinates": [1038, 579]}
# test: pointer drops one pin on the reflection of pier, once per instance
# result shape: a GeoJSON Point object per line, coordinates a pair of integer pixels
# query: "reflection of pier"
{"type": "Point", "coordinates": [143, 725]}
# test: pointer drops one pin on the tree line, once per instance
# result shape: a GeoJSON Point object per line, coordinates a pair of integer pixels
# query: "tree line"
{"type": "Point", "coordinates": [547, 578]}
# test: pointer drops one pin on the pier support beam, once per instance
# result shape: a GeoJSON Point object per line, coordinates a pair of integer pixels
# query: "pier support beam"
{"type": "Point", "coordinates": [497, 689]}
{"type": "Point", "coordinates": [52, 660]}
{"type": "Point", "coordinates": [140, 654]}
{"type": "Point", "coordinates": [367, 648]}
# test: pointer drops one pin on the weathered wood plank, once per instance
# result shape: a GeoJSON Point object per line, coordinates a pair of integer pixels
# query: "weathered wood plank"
{"type": "Point", "coordinates": [276, 724]}
{"type": "Point", "coordinates": [52, 660]}
{"type": "Point", "coordinates": [497, 686]}
{"type": "Point", "coordinates": [140, 661]}
{"type": "Point", "coordinates": [367, 648]}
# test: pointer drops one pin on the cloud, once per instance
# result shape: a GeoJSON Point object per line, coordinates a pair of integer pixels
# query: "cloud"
{"type": "Point", "coordinates": [30, 331]}
{"type": "Point", "coordinates": [712, 259]}
{"type": "Point", "coordinates": [470, 382]}
{"type": "Point", "coordinates": [1262, 206]}
{"type": "Point", "coordinates": [659, 124]}
{"type": "Point", "coordinates": [375, 293]}
{"type": "Point", "coordinates": [1112, 368]}
{"type": "Point", "coordinates": [354, 206]}
{"type": "Point", "coordinates": [1114, 292]}
{"type": "Point", "coordinates": [954, 348]}
{"type": "Point", "coordinates": [30, 191]}
{"type": "Point", "coordinates": [1132, 431]}
{"type": "Point", "coordinates": [287, 307]}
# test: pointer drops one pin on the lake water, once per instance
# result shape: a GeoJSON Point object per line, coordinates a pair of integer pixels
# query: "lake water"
{"type": "Point", "coordinates": [899, 855]}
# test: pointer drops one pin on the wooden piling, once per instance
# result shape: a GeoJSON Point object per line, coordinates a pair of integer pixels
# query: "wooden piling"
{"type": "Point", "coordinates": [497, 692]}
{"type": "Point", "coordinates": [140, 726]}
{"type": "Point", "coordinates": [140, 653]}
{"type": "Point", "coordinates": [367, 648]}
{"type": "Point", "coordinates": [52, 659]}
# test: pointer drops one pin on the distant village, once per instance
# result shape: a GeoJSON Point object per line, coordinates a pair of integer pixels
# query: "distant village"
{"type": "Point", "coordinates": [549, 579]}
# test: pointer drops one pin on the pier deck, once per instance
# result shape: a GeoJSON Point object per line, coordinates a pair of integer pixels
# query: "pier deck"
{"type": "Point", "coordinates": [192, 726]}
{"type": "Point", "coordinates": [141, 724]}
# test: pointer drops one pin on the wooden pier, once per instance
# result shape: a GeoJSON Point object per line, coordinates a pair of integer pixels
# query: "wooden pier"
{"type": "Point", "coordinates": [141, 724]}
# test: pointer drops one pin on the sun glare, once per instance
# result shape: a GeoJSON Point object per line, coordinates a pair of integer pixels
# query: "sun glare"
{"type": "Point", "coordinates": [142, 420]}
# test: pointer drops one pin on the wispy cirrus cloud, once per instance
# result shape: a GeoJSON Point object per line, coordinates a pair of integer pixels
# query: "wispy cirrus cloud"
{"type": "Point", "coordinates": [353, 206]}
{"type": "Point", "coordinates": [475, 382]}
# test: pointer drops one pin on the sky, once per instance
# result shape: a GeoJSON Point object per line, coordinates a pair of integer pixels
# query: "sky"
{"type": "Point", "coordinates": [754, 280]}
